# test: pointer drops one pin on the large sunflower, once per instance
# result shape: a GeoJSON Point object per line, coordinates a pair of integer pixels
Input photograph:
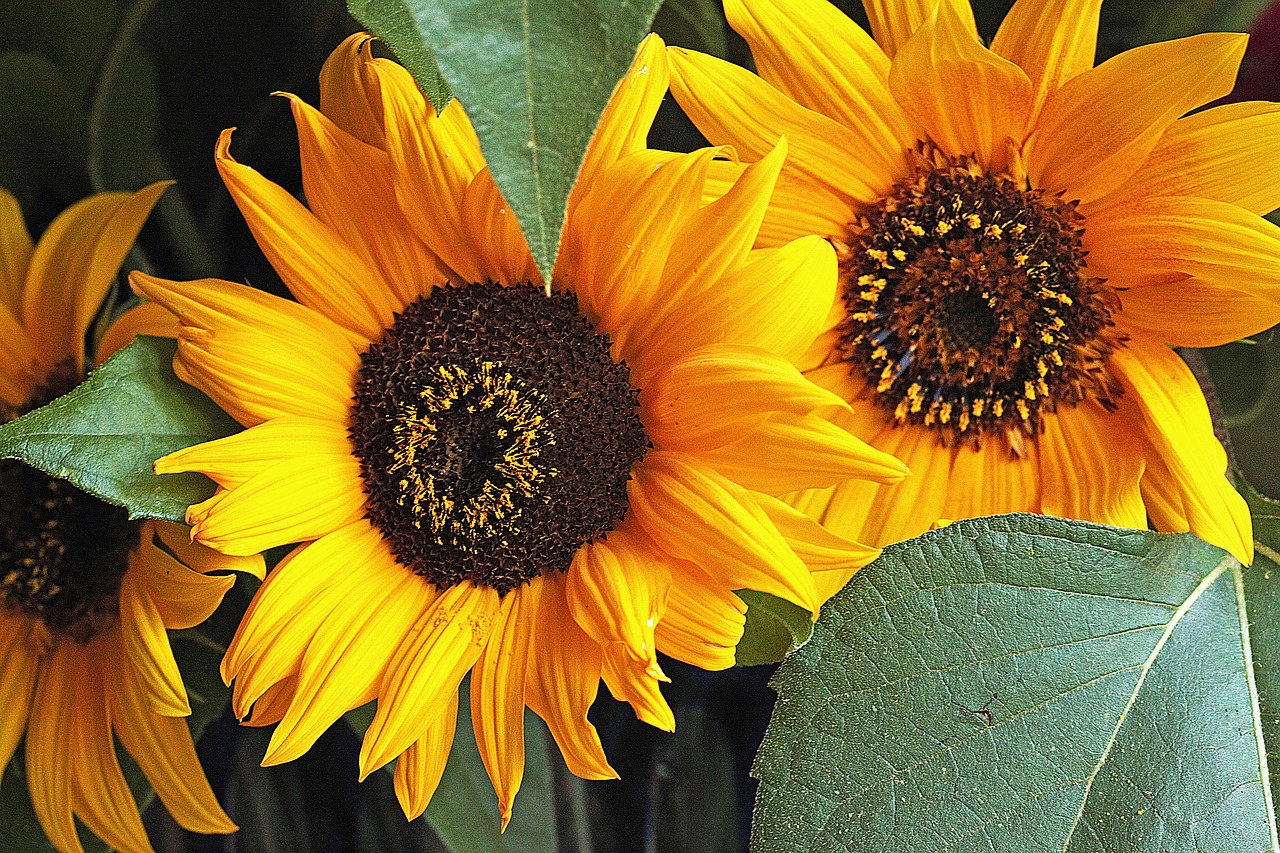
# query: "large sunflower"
{"type": "Point", "coordinates": [1022, 238]}
{"type": "Point", "coordinates": [86, 595]}
{"type": "Point", "coordinates": [541, 488]}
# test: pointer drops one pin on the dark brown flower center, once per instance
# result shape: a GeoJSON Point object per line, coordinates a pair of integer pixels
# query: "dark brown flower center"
{"type": "Point", "coordinates": [969, 309]}
{"type": "Point", "coordinates": [63, 552]}
{"type": "Point", "coordinates": [496, 434]}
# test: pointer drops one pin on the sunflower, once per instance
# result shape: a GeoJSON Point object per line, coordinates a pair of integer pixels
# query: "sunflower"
{"type": "Point", "coordinates": [86, 594]}
{"type": "Point", "coordinates": [1022, 238]}
{"type": "Point", "coordinates": [541, 487]}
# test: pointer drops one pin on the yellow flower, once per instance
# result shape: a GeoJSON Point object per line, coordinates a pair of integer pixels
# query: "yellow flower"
{"type": "Point", "coordinates": [1022, 238]}
{"type": "Point", "coordinates": [538, 488]}
{"type": "Point", "coordinates": [86, 595]}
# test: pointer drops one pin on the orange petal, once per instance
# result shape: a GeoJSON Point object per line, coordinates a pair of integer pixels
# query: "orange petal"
{"type": "Point", "coordinates": [1091, 466]}
{"type": "Point", "coordinates": [617, 591]}
{"type": "Point", "coordinates": [18, 667]}
{"type": "Point", "coordinates": [704, 619]}
{"type": "Point", "coordinates": [894, 22]}
{"type": "Point", "coordinates": [348, 184]}
{"type": "Point", "coordinates": [1229, 153]}
{"type": "Point", "coordinates": [145, 643]}
{"type": "Point", "coordinates": [697, 515]}
{"type": "Point", "coordinates": [1222, 314]}
{"type": "Point", "coordinates": [420, 767]}
{"type": "Point", "coordinates": [634, 683]}
{"type": "Point", "coordinates": [74, 265]}
{"type": "Point", "coordinates": [370, 612]}
{"type": "Point", "coordinates": [349, 91]}
{"type": "Point", "coordinates": [163, 749]}
{"type": "Point", "coordinates": [969, 100]}
{"type": "Point", "coordinates": [312, 258]}
{"type": "Point", "coordinates": [145, 319]}
{"type": "Point", "coordinates": [15, 252]}
{"type": "Point", "coordinates": [562, 680]}
{"type": "Point", "coordinates": [50, 763]}
{"type": "Point", "coordinates": [177, 538]}
{"type": "Point", "coordinates": [495, 233]}
{"type": "Point", "coordinates": [814, 53]}
{"type": "Point", "coordinates": [1051, 40]}
{"type": "Point", "coordinates": [719, 393]}
{"type": "Point", "coordinates": [1097, 129]}
{"type": "Point", "coordinates": [497, 694]}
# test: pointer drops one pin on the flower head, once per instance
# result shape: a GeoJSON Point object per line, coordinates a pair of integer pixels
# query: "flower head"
{"type": "Point", "coordinates": [539, 487]}
{"type": "Point", "coordinates": [1022, 237]}
{"type": "Point", "coordinates": [86, 595]}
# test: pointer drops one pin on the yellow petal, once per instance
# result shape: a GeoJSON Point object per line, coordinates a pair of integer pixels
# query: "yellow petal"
{"type": "Point", "coordinates": [349, 186]}
{"type": "Point", "coordinates": [814, 53]}
{"type": "Point", "coordinates": [15, 252]}
{"type": "Point", "coordinates": [969, 100]}
{"type": "Point", "coordinates": [987, 481]}
{"type": "Point", "coordinates": [697, 515]}
{"type": "Point", "coordinates": [236, 459]}
{"type": "Point", "coordinates": [444, 643]}
{"type": "Point", "coordinates": [177, 538]}
{"type": "Point", "coordinates": [74, 265]}
{"type": "Point", "coordinates": [790, 452]}
{"type": "Point", "coordinates": [719, 393]}
{"type": "Point", "coordinates": [163, 749]}
{"type": "Point", "coordinates": [562, 680]}
{"type": "Point", "coordinates": [273, 704]}
{"type": "Point", "coordinates": [779, 301]}
{"type": "Point", "coordinates": [1051, 40]}
{"type": "Point", "coordinates": [21, 370]}
{"type": "Point", "coordinates": [732, 106]}
{"type": "Point", "coordinates": [18, 667]}
{"type": "Point", "coordinates": [1097, 129]}
{"type": "Point", "coordinates": [312, 258]}
{"type": "Point", "coordinates": [893, 22]}
{"type": "Point", "coordinates": [821, 549]}
{"type": "Point", "coordinates": [624, 126]}
{"type": "Point", "coordinates": [145, 643]}
{"type": "Point", "coordinates": [434, 159]}
{"type": "Point", "coordinates": [617, 591]}
{"type": "Point", "coordinates": [1164, 400]}
{"type": "Point", "coordinates": [703, 622]}
{"type": "Point", "coordinates": [634, 683]}
{"type": "Point", "coordinates": [278, 626]}
{"type": "Point", "coordinates": [370, 611]}
{"type": "Point", "coordinates": [497, 694]}
{"type": "Point", "coordinates": [349, 91]}
{"type": "Point", "coordinates": [622, 232]}
{"type": "Point", "coordinates": [292, 501]}
{"type": "Point", "coordinates": [1091, 464]}
{"type": "Point", "coordinates": [258, 356]}
{"type": "Point", "coordinates": [1229, 154]}
{"type": "Point", "coordinates": [145, 319]}
{"type": "Point", "coordinates": [421, 766]}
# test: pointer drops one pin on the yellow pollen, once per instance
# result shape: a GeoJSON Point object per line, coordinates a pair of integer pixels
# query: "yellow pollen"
{"type": "Point", "coordinates": [973, 220]}
{"type": "Point", "coordinates": [942, 228]}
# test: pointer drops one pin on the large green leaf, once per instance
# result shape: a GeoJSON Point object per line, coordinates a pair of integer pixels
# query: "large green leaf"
{"type": "Point", "coordinates": [464, 810]}
{"type": "Point", "coordinates": [534, 76]}
{"type": "Point", "coordinates": [1021, 683]}
{"type": "Point", "coordinates": [104, 435]}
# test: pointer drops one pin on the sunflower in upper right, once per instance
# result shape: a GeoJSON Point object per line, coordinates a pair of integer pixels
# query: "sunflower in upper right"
{"type": "Point", "coordinates": [1023, 237]}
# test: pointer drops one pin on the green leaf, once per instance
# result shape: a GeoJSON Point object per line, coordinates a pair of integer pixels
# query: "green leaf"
{"type": "Point", "coordinates": [392, 21]}
{"type": "Point", "coordinates": [464, 810]}
{"type": "Point", "coordinates": [1022, 683]}
{"type": "Point", "coordinates": [534, 77]}
{"type": "Point", "coordinates": [104, 435]}
{"type": "Point", "coordinates": [774, 628]}
{"type": "Point", "coordinates": [695, 24]}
